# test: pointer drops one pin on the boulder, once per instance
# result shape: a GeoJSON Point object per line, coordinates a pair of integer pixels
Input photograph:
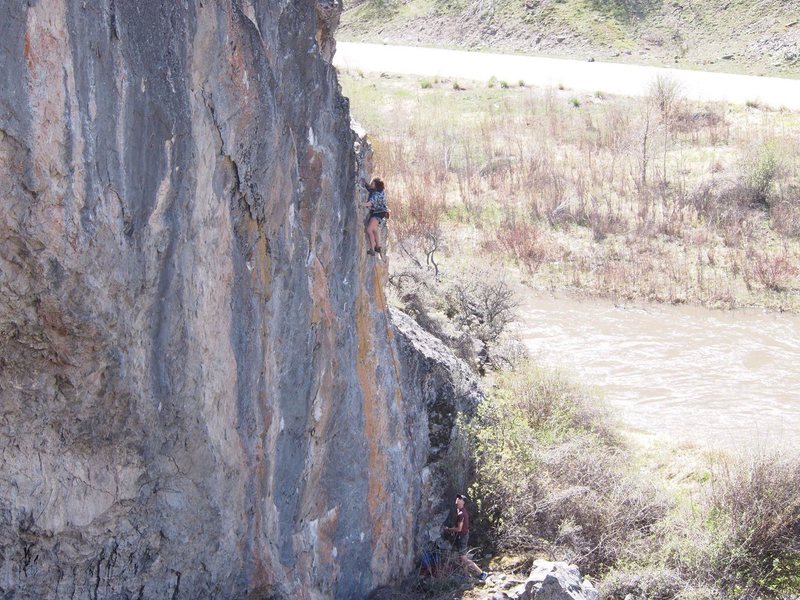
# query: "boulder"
{"type": "Point", "coordinates": [557, 581]}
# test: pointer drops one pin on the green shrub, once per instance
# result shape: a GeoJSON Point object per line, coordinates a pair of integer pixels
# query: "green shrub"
{"type": "Point", "coordinates": [753, 511]}
{"type": "Point", "coordinates": [551, 474]}
{"type": "Point", "coordinates": [492, 81]}
{"type": "Point", "coordinates": [425, 84]}
{"type": "Point", "coordinates": [762, 170]}
{"type": "Point", "coordinates": [740, 537]}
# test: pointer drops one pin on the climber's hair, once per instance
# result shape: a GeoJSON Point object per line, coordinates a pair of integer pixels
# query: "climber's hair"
{"type": "Point", "coordinates": [377, 183]}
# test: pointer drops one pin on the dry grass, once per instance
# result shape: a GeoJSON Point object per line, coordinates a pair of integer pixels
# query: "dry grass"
{"type": "Point", "coordinates": [446, 580]}
{"type": "Point", "coordinates": [737, 537]}
{"type": "Point", "coordinates": [631, 199]}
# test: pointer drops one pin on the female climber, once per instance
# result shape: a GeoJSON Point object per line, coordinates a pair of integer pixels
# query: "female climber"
{"type": "Point", "coordinates": [378, 213]}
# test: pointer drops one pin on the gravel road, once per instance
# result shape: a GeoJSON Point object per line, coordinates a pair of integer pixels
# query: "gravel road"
{"type": "Point", "coordinates": [610, 78]}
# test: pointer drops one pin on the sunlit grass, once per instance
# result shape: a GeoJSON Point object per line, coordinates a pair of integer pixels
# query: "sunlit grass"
{"type": "Point", "coordinates": [665, 207]}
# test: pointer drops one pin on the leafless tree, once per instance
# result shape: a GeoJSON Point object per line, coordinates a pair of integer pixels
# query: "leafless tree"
{"type": "Point", "coordinates": [482, 304]}
{"type": "Point", "coordinates": [665, 94]}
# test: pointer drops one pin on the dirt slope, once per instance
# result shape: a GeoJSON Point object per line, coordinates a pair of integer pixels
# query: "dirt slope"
{"type": "Point", "coordinates": [747, 36]}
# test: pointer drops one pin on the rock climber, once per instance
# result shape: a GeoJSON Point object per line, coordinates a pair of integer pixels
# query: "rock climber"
{"type": "Point", "coordinates": [378, 213]}
{"type": "Point", "coordinates": [461, 530]}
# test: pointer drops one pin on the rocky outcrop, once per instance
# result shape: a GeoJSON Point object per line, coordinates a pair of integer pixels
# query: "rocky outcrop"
{"type": "Point", "coordinates": [437, 388]}
{"type": "Point", "coordinates": [328, 13]}
{"type": "Point", "coordinates": [549, 581]}
{"type": "Point", "coordinates": [199, 395]}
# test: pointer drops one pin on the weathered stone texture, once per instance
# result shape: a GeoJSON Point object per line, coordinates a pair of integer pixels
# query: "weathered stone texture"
{"type": "Point", "coordinates": [199, 396]}
{"type": "Point", "coordinates": [437, 388]}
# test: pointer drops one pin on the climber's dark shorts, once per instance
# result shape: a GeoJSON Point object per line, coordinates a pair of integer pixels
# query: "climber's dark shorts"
{"type": "Point", "coordinates": [379, 215]}
{"type": "Point", "coordinates": [461, 543]}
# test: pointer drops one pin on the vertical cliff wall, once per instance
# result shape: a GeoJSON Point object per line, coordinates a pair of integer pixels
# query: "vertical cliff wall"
{"type": "Point", "coordinates": [199, 392]}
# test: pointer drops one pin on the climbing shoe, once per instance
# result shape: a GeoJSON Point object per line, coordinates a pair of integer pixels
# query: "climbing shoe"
{"type": "Point", "coordinates": [371, 252]}
{"type": "Point", "coordinates": [483, 576]}
{"type": "Point", "coordinates": [379, 250]}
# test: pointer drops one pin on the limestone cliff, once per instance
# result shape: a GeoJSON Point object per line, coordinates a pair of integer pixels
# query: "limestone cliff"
{"type": "Point", "coordinates": [200, 395]}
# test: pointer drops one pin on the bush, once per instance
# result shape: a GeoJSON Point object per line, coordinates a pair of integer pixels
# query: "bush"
{"type": "Point", "coordinates": [550, 474]}
{"type": "Point", "coordinates": [753, 510]}
{"type": "Point", "coordinates": [762, 169]}
{"type": "Point", "coordinates": [480, 303]}
{"type": "Point", "coordinates": [786, 215]}
{"type": "Point", "coordinates": [773, 271]}
{"type": "Point", "coordinates": [524, 243]}
{"type": "Point", "coordinates": [740, 538]}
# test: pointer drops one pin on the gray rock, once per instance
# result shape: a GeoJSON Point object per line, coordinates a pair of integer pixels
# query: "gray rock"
{"type": "Point", "coordinates": [557, 581]}
{"type": "Point", "coordinates": [200, 396]}
{"type": "Point", "coordinates": [517, 591]}
{"type": "Point", "coordinates": [438, 386]}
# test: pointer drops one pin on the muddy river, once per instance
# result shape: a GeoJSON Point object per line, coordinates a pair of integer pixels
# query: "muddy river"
{"type": "Point", "coordinates": [729, 379]}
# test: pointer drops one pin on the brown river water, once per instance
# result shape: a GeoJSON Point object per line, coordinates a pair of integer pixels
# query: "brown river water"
{"type": "Point", "coordinates": [689, 374]}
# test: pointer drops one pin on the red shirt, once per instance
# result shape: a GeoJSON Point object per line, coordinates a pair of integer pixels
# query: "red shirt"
{"type": "Point", "coordinates": [462, 518]}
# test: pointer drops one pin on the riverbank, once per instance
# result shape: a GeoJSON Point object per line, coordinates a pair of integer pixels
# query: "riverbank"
{"type": "Point", "coordinates": [554, 479]}
{"type": "Point", "coordinates": [656, 199]}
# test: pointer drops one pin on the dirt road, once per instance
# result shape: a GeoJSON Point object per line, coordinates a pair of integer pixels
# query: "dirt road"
{"type": "Point", "coordinates": [610, 78]}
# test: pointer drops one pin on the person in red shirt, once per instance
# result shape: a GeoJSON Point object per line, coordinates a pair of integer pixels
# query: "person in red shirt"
{"type": "Point", "coordinates": [461, 530]}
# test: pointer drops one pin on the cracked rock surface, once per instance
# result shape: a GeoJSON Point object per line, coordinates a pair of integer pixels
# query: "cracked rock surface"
{"type": "Point", "coordinates": [199, 392]}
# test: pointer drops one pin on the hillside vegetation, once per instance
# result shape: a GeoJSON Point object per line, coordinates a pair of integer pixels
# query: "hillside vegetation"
{"type": "Point", "coordinates": [553, 479]}
{"type": "Point", "coordinates": [652, 199]}
{"type": "Point", "coordinates": [753, 36]}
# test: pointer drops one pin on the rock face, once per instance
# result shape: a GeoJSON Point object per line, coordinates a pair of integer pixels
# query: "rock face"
{"type": "Point", "coordinates": [437, 388]}
{"type": "Point", "coordinates": [199, 394]}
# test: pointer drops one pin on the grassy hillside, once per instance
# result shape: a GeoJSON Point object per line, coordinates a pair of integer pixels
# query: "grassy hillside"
{"type": "Point", "coordinates": [654, 199]}
{"type": "Point", "coordinates": [753, 36]}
